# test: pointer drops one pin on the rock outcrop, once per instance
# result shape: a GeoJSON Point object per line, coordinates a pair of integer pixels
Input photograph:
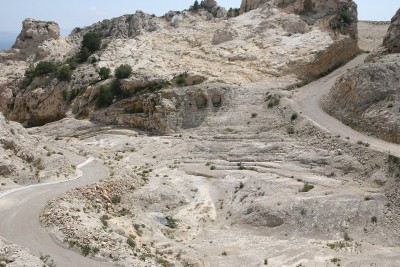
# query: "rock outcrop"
{"type": "Point", "coordinates": [392, 38]}
{"type": "Point", "coordinates": [20, 163]}
{"type": "Point", "coordinates": [34, 33]}
{"type": "Point", "coordinates": [367, 98]}
{"type": "Point", "coordinates": [167, 110]}
{"type": "Point", "coordinates": [127, 26]}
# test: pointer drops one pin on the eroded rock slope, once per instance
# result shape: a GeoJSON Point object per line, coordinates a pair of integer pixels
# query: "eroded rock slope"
{"type": "Point", "coordinates": [295, 40]}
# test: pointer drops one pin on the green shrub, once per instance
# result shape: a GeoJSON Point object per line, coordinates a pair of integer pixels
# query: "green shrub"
{"type": "Point", "coordinates": [273, 100]}
{"type": "Point", "coordinates": [171, 222]}
{"type": "Point", "coordinates": [180, 79]}
{"type": "Point", "coordinates": [123, 71]}
{"type": "Point", "coordinates": [104, 97]}
{"type": "Point", "coordinates": [104, 73]}
{"type": "Point", "coordinates": [72, 63]}
{"type": "Point", "coordinates": [84, 54]}
{"type": "Point", "coordinates": [64, 73]}
{"type": "Point", "coordinates": [116, 199]}
{"type": "Point", "coordinates": [91, 41]}
{"type": "Point", "coordinates": [196, 6]}
{"type": "Point", "coordinates": [45, 67]}
{"type": "Point", "coordinates": [294, 116]}
{"type": "Point", "coordinates": [85, 249]}
{"type": "Point", "coordinates": [131, 242]}
{"type": "Point", "coordinates": [306, 187]}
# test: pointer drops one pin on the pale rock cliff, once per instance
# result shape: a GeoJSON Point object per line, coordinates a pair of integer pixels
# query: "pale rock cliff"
{"type": "Point", "coordinates": [392, 38]}
{"type": "Point", "coordinates": [35, 33]}
{"type": "Point", "coordinates": [279, 39]}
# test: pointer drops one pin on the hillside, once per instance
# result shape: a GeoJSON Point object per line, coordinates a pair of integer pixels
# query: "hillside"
{"type": "Point", "coordinates": [198, 139]}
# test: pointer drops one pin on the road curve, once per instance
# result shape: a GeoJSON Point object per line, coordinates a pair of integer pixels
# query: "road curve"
{"type": "Point", "coordinates": [308, 101]}
{"type": "Point", "coordinates": [20, 210]}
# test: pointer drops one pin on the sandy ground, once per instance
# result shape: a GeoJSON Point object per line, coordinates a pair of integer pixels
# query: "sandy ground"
{"type": "Point", "coordinates": [371, 35]}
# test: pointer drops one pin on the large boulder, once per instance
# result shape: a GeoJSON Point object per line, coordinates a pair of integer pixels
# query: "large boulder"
{"type": "Point", "coordinates": [392, 38]}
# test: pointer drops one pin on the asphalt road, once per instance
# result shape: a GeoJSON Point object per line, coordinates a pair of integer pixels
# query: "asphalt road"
{"type": "Point", "coordinates": [20, 210]}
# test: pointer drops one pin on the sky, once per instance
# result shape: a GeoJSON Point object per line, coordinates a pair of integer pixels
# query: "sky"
{"type": "Point", "coordinates": [78, 13]}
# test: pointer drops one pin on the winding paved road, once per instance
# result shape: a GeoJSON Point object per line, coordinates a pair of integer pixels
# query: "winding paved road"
{"type": "Point", "coordinates": [20, 210]}
{"type": "Point", "coordinates": [309, 102]}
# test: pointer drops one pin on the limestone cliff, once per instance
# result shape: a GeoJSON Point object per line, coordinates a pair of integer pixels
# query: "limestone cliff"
{"type": "Point", "coordinates": [279, 39]}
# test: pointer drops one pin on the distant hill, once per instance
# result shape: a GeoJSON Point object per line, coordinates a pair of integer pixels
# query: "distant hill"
{"type": "Point", "coordinates": [7, 39]}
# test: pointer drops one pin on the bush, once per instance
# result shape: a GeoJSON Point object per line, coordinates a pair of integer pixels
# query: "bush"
{"type": "Point", "coordinates": [84, 54]}
{"type": "Point", "coordinates": [105, 97]}
{"type": "Point", "coordinates": [42, 68]}
{"type": "Point", "coordinates": [91, 41]}
{"type": "Point", "coordinates": [64, 73]}
{"type": "Point", "coordinates": [104, 73]}
{"type": "Point", "coordinates": [72, 63]}
{"type": "Point", "coordinates": [131, 242]}
{"type": "Point", "coordinates": [123, 71]}
{"type": "Point", "coordinates": [45, 67]}
{"type": "Point", "coordinates": [306, 187]}
{"type": "Point", "coordinates": [294, 116]}
{"type": "Point", "coordinates": [85, 249]}
{"type": "Point", "coordinates": [116, 199]}
{"type": "Point", "coordinates": [171, 222]}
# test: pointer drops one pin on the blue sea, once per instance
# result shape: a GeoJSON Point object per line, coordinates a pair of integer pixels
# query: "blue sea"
{"type": "Point", "coordinates": [7, 39]}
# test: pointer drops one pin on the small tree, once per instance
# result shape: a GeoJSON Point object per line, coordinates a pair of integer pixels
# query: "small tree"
{"type": "Point", "coordinates": [105, 97]}
{"type": "Point", "coordinates": [196, 5]}
{"type": "Point", "coordinates": [104, 73]}
{"type": "Point", "coordinates": [45, 67]}
{"type": "Point", "coordinates": [92, 41]}
{"type": "Point", "coordinates": [84, 54]}
{"type": "Point", "coordinates": [123, 72]}
{"type": "Point", "coordinates": [64, 73]}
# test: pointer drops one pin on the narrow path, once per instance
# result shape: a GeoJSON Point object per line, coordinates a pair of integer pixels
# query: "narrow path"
{"type": "Point", "coordinates": [20, 210]}
{"type": "Point", "coordinates": [309, 102]}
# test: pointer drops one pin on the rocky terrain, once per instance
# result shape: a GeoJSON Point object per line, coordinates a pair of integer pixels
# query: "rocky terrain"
{"type": "Point", "coordinates": [208, 45]}
{"type": "Point", "coordinates": [26, 159]}
{"type": "Point", "coordinates": [223, 168]}
{"type": "Point", "coordinates": [14, 256]}
{"type": "Point", "coordinates": [230, 192]}
{"type": "Point", "coordinates": [367, 97]}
